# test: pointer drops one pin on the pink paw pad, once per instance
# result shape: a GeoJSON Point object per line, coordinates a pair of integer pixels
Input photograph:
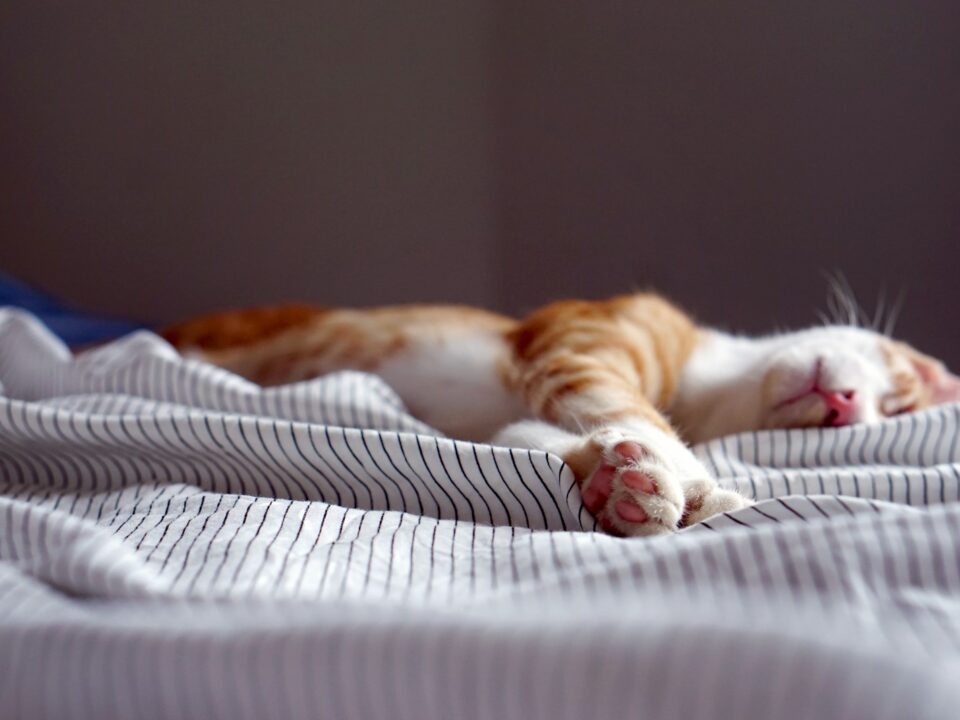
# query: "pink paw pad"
{"type": "Point", "coordinates": [599, 488]}
{"type": "Point", "coordinates": [639, 481]}
{"type": "Point", "coordinates": [630, 450]}
{"type": "Point", "coordinates": [635, 487]}
{"type": "Point", "coordinates": [619, 473]}
{"type": "Point", "coordinates": [631, 512]}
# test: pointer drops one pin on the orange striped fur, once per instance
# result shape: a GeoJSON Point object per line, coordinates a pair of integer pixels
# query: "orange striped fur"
{"type": "Point", "coordinates": [623, 356]}
{"type": "Point", "coordinates": [573, 362]}
{"type": "Point", "coordinates": [289, 343]}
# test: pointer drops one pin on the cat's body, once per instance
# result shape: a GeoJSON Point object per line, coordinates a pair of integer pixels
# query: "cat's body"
{"type": "Point", "coordinates": [594, 382]}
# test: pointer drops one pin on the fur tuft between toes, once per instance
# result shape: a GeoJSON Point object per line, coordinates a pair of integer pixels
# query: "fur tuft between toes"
{"type": "Point", "coordinates": [713, 503]}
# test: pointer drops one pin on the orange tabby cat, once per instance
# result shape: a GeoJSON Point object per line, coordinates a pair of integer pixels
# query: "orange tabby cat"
{"type": "Point", "coordinates": [593, 382]}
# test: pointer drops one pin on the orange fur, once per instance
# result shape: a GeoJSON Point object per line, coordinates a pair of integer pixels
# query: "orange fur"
{"type": "Point", "coordinates": [624, 355]}
{"type": "Point", "coordinates": [917, 379]}
{"type": "Point", "coordinates": [573, 362]}
{"type": "Point", "coordinates": [237, 328]}
{"type": "Point", "coordinates": [273, 346]}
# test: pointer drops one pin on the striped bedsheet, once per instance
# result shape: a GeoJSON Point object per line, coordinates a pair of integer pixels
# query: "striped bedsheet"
{"type": "Point", "coordinates": [177, 542]}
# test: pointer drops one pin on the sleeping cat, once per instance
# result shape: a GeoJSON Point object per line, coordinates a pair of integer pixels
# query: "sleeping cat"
{"type": "Point", "coordinates": [614, 387]}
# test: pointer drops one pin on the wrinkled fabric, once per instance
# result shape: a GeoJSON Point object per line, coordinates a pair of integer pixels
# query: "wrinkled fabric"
{"type": "Point", "coordinates": [178, 542]}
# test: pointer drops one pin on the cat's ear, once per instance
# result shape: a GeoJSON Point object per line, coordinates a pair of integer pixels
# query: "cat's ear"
{"type": "Point", "coordinates": [944, 386]}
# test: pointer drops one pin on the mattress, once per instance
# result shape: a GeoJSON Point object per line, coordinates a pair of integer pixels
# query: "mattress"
{"type": "Point", "coordinates": [177, 542]}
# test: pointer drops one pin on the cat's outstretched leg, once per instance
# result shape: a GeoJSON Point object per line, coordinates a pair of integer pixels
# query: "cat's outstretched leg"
{"type": "Point", "coordinates": [600, 371]}
{"type": "Point", "coordinates": [634, 477]}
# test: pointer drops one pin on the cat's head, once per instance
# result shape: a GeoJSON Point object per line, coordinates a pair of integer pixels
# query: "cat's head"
{"type": "Point", "coordinates": [836, 375]}
{"type": "Point", "coordinates": [820, 377]}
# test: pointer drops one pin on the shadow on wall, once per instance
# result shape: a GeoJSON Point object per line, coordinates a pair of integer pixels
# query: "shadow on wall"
{"type": "Point", "coordinates": [159, 161]}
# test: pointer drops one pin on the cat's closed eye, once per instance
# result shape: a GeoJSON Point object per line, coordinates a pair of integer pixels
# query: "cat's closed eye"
{"type": "Point", "coordinates": [897, 404]}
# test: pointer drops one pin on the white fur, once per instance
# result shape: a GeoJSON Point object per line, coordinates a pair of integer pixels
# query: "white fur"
{"type": "Point", "coordinates": [451, 382]}
{"type": "Point", "coordinates": [721, 388]}
{"type": "Point", "coordinates": [538, 435]}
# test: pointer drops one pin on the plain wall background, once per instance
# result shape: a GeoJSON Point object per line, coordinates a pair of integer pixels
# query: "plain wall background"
{"type": "Point", "coordinates": [162, 159]}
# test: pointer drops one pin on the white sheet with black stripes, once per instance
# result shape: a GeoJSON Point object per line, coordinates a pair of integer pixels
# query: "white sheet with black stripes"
{"type": "Point", "coordinates": [176, 542]}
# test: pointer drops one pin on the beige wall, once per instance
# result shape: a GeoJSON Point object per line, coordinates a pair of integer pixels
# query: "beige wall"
{"type": "Point", "coordinates": [158, 160]}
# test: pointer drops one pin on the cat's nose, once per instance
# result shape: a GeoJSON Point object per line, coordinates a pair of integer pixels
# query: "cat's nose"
{"type": "Point", "coordinates": [841, 406]}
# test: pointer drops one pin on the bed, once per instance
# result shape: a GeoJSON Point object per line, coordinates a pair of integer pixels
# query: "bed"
{"type": "Point", "coordinates": [177, 542]}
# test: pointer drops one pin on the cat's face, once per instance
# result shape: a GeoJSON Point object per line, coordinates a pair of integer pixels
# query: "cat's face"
{"type": "Point", "coordinates": [833, 376]}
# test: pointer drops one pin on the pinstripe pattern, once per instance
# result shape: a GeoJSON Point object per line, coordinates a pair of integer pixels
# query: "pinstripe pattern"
{"type": "Point", "coordinates": [175, 542]}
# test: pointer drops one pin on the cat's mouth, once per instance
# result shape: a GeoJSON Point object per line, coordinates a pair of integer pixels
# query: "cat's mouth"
{"type": "Point", "coordinates": [826, 408]}
{"type": "Point", "coordinates": [832, 418]}
{"type": "Point", "coordinates": [816, 406]}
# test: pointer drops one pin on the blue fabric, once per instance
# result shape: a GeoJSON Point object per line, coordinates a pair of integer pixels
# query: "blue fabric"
{"type": "Point", "coordinates": [73, 326]}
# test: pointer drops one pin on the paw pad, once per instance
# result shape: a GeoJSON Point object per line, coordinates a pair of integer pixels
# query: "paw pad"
{"type": "Point", "coordinates": [642, 481]}
{"type": "Point", "coordinates": [631, 512]}
{"type": "Point", "coordinates": [639, 481]}
{"type": "Point", "coordinates": [631, 491]}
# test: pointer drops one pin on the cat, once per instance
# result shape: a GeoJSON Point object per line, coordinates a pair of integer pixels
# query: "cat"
{"type": "Point", "coordinates": [617, 388]}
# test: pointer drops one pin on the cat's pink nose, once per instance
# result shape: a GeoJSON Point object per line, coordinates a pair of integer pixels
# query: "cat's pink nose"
{"type": "Point", "coordinates": [841, 406]}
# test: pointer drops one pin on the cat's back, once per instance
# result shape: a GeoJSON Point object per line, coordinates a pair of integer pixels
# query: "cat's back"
{"type": "Point", "coordinates": [350, 337]}
{"type": "Point", "coordinates": [464, 370]}
{"type": "Point", "coordinates": [232, 329]}
{"type": "Point", "coordinates": [450, 364]}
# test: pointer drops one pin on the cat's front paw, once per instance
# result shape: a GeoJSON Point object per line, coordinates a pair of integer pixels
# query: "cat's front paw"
{"type": "Point", "coordinates": [642, 481]}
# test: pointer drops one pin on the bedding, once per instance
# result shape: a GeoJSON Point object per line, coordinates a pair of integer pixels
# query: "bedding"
{"type": "Point", "coordinates": [177, 542]}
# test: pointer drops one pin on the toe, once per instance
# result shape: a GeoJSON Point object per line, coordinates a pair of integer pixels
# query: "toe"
{"type": "Point", "coordinates": [598, 488]}
{"type": "Point", "coordinates": [630, 450]}
{"type": "Point", "coordinates": [630, 511]}
{"type": "Point", "coordinates": [639, 481]}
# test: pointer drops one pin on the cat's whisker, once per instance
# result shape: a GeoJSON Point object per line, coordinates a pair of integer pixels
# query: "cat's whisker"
{"type": "Point", "coordinates": [857, 313]}
{"type": "Point", "coordinates": [878, 311]}
{"type": "Point", "coordinates": [833, 297]}
{"type": "Point", "coordinates": [842, 302]}
{"type": "Point", "coordinates": [833, 310]}
{"type": "Point", "coordinates": [837, 301]}
{"type": "Point", "coordinates": [894, 315]}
